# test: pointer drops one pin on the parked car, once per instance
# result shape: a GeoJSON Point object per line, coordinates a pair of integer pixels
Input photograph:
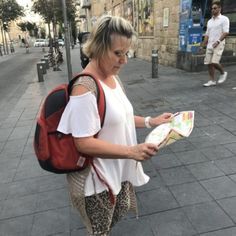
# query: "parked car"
{"type": "Point", "coordinates": [61, 42]}
{"type": "Point", "coordinates": [82, 37]}
{"type": "Point", "coordinates": [41, 43]}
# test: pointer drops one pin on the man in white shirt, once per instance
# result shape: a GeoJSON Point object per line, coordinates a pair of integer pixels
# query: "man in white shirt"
{"type": "Point", "coordinates": [217, 30]}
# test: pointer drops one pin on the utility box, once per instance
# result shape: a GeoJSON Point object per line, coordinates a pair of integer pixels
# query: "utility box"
{"type": "Point", "coordinates": [192, 15]}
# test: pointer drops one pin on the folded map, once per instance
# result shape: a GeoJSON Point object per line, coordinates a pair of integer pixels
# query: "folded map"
{"type": "Point", "coordinates": [181, 126]}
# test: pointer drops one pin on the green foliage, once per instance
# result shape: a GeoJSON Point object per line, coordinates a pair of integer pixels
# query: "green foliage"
{"type": "Point", "coordinates": [43, 33]}
{"type": "Point", "coordinates": [22, 26]}
{"type": "Point", "coordinates": [30, 27]}
{"type": "Point", "coordinates": [10, 10]}
{"type": "Point", "coordinates": [51, 10]}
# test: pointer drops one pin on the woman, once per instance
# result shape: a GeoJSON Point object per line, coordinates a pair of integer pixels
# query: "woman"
{"type": "Point", "coordinates": [117, 156]}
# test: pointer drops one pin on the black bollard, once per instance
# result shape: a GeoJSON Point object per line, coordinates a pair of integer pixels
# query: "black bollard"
{"type": "Point", "coordinates": [46, 62]}
{"type": "Point", "coordinates": [40, 72]}
{"type": "Point", "coordinates": [154, 63]}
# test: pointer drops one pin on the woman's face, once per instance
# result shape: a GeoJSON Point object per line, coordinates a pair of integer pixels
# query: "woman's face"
{"type": "Point", "coordinates": [116, 56]}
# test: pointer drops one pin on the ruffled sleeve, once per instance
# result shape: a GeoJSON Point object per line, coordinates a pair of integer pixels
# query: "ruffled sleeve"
{"type": "Point", "coordinates": [80, 117]}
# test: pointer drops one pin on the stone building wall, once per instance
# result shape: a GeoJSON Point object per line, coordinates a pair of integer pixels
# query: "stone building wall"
{"type": "Point", "coordinates": [165, 38]}
{"type": "Point", "coordinates": [231, 44]}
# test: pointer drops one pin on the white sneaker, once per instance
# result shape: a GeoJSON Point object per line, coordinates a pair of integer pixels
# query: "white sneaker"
{"type": "Point", "coordinates": [210, 83]}
{"type": "Point", "coordinates": [222, 78]}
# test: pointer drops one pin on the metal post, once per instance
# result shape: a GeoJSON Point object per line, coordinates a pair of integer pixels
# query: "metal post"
{"type": "Point", "coordinates": [3, 40]}
{"type": "Point", "coordinates": [40, 72]}
{"type": "Point", "coordinates": [46, 62]}
{"type": "Point", "coordinates": [154, 63]}
{"type": "Point", "coordinates": [67, 43]}
{"type": "Point", "coordinates": [6, 43]}
{"type": "Point", "coordinates": [44, 67]}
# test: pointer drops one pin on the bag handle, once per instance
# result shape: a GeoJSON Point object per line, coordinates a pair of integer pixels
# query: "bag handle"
{"type": "Point", "coordinates": [101, 99]}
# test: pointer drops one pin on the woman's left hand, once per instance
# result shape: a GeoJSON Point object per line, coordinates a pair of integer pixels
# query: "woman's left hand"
{"type": "Point", "coordinates": [163, 118]}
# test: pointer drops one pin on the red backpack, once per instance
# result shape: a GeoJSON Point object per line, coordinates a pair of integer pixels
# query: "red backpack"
{"type": "Point", "coordinates": [56, 152]}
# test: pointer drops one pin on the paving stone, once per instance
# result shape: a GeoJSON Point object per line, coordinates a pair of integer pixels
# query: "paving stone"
{"type": "Point", "coordinates": [197, 132]}
{"type": "Point", "coordinates": [1, 145]}
{"type": "Point", "coordinates": [223, 232]}
{"type": "Point", "coordinates": [182, 145]}
{"type": "Point", "coordinates": [149, 169]}
{"type": "Point", "coordinates": [10, 122]}
{"type": "Point", "coordinates": [80, 232]}
{"type": "Point", "coordinates": [4, 188]}
{"type": "Point", "coordinates": [14, 147]}
{"type": "Point", "coordinates": [202, 122]}
{"type": "Point", "coordinates": [205, 170]}
{"type": "Point", "coordinates": [52, 200]}
{"type": "Point", "coordinates": [27, 192]}
{"type": "Point", "coordinates": [213, 129]}
{"type": "Point", "coordinates": [20, 132]}
{"type": "Point", "coordinates": [155, 182]}
{"type": "Point", "coordinates": [220, 187]}
{"type": "Point", "coordinates": [19, 226]}
{"type": "Point", "coordinates": [165, 161]}
{"type": "Point", "coordinates": [177, 175]}
{"type": "Point", "coordinates": [191, 193]}
{"type": "Point", "coordinates": [233, 177]}
{"type": "Point", "coordinates": [5, 133]}
{"type": "Point", "coordinates": [36, 185]}
{"type": "Point", "coordinates": [231, 147]}
{"type": "Point", "coordinates": [36, 171]}
{"type": "Point", "coordinates": [224, 139]}
{"type": "Point", "coordinates": [204, 141]}
{"type": "Point", "coordinates": [216, 152]}
{"type": "Point", "coordinates": [11, 163]}
{"type": "Point", "coordinates": [171, 223]}
{"type": "Point", "coordinates": [190, 157]}
{"type": "Point", "coordinates": [207, 217]}
{"type": "Point", "coordinates": [229, 206]}
{"type": "Point", "coordinates": [137, 227]}
{"type": "Point", "coordinates": [7, 176]}
{"type": "Point", "coordinates": [229, 125]}
{"type": "Point", "coordinates": [53, 222]}
{"type": "Point", "coordinates": [228, 166]}
{"type": "Point", "coordinates": [18, 207]}
{"type": "Point", "coordinates": [156, 200]}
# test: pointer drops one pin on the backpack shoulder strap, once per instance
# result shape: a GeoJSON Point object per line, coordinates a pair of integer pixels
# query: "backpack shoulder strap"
{"type": "Point", "coordinates": [101, 100]}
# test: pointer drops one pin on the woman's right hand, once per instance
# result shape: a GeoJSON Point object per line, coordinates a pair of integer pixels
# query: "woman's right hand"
{"type": "Point", "coordinates": [143, 151]}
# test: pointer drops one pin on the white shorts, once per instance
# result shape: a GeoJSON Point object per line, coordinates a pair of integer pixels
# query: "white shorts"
{"type": "Point", "coordinates": [213, 55]}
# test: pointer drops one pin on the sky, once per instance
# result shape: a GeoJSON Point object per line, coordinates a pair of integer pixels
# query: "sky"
{"type": "Point", "coordinates": [24, 2]}
{"type": "Point", "coordinates": [30, 16]}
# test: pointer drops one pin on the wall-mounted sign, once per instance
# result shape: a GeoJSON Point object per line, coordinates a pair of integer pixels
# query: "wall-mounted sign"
{"type": "Point", "coordinates": [166, 13]}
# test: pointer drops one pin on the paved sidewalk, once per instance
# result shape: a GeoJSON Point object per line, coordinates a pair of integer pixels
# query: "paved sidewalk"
{"type": "Point", "coordinates": [192, 190]}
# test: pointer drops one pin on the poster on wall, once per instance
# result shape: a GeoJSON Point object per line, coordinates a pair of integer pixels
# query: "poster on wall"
{"type": "Point", "coordinates": [128, 10]}
{"type": "Point", "coordinates": [117, 10]}
{"type": "Point", "coordinates": [166, 13]}
{"type": "Point", "coordinates": [145, 18]}
{"type": "Point", "coordinates": [185, 10]}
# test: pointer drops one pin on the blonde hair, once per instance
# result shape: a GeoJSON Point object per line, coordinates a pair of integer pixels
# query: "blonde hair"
{"type": "Point", "coordinates": [99, 41]}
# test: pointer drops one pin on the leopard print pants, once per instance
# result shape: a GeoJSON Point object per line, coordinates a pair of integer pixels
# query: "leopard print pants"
{"type": "Point", "coordinates": [102, 214]}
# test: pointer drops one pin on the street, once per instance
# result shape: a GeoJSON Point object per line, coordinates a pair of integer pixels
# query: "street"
{"type": "Point", "coordinates": [15, 74]}
{"type": "Point", "coordinates": [192, 187]}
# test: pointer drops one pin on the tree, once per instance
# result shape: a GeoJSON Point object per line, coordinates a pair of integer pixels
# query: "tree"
{"type": "Point", "coordinates": [51, 11]}
{"type": "Point", "coordinates": [30, 27]}
{"type": "Point", "coordinates": [11, 10]}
